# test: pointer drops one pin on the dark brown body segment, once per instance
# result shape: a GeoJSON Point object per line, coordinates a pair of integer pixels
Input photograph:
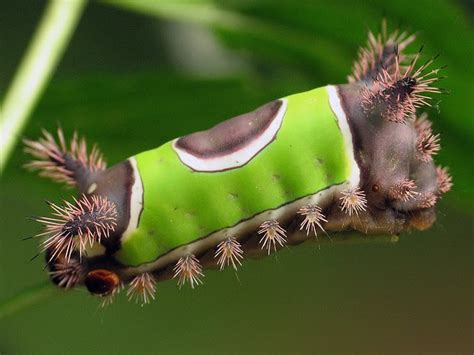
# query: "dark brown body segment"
{"type": "Point", "coordinates": [244, 129]}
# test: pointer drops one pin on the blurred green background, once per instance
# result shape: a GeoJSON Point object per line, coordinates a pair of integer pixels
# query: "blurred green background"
{"type": "Point", "coordinates": [138, 73]}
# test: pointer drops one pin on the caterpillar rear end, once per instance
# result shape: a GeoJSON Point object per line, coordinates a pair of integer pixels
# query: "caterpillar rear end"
{"type": "Point", "coordinates": [349, 157]}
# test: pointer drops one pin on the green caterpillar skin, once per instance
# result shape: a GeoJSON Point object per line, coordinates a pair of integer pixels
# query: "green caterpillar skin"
{"type": "Point", "coordinates": [181, 205]}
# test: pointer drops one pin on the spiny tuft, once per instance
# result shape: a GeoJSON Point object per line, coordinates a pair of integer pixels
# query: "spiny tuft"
{"type": "Point", "coordinates": [396, 96]}
{"type": "Point", "coordinates": [75, 226]}
{"type": "Point", "coordinates": [313, 217]}
{"type": "Point", "coordinates": [60, 163]}
{"type": "Point", "coordinates": [427, 145]}
{"type": "Point", "coordinates": [380, 52]}
{"type": "Point", "coordinates": [403, 191]}
{"type": "Point", "coordinates": [272, 235]}
{"type": "Point", "coordinates": [188, 269]}
{"type": "Point", "coordinates": [353, 201]}
{"type": "Point", "coordinates": [142, 288]}
{"type": "Point", "coordinates": [427, 200]}
{"type": "Point", "coordinates": [66, 273]}
{"type": "Point", "coordinates": [229, 251]}
{"type": "Point", "coordinates": [445, 182]}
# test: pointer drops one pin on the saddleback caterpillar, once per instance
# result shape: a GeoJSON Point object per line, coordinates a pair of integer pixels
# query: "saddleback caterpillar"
{"type": "Point", "coordinates": [349, 157]}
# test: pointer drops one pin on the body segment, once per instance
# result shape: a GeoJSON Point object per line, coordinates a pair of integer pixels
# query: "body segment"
{"type": "Point", "coordinates": [306, 155]}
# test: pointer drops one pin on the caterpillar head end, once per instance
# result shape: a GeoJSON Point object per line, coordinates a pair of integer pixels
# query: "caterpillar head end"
{"type": "Point", "coordinates": [393, 147]}
{"type": "Point", "coordinates": [398, 173]}
{"type": "Point", "coordinates": [79, 237]}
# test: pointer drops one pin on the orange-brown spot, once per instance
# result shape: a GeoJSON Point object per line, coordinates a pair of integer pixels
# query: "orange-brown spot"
{"type": "Point", "coordinates": [101, 282]}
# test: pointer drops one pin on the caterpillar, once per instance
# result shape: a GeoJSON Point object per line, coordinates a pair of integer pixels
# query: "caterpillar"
{"type": "Point", "coordinates": [349, 157]}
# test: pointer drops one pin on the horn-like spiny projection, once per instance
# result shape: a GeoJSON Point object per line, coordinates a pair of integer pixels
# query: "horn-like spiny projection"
{"type": "Point", "coordinates": [349, 157]}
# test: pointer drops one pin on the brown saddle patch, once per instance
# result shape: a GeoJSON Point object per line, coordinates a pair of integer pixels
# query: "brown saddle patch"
{"type": "Point", "coordinates": [231, 135]}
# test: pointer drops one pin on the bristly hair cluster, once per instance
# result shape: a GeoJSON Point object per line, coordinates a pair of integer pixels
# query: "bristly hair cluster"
{"type": "Point", "coordinates": [272, 235]}
{"type": "Point", "coordinates": [381, 52]}
{"type": "Point", "coordinates": [313, 217]}
{"type": "Point", "coordinates": [229, 251]}
{"type": "Point", "coordinates": [188, 269]}
{"type": "Point", "coordinates": [392, 88]}
{"type": "Point", "coordinates": [75, 226]}
{"type": "Point", "coordinates": [56, 161]}
{"type": "Point", "coordinates": [396, 96]}
{"type": "Point", "coordinates": [66, 273]}
{"type": "Point", "coordinates": [353, 201]}
{"type": "Point", "coordinates": [427, 143]}
{"type": "Point", "coordinates": [403, 191]}
{"type": "Point", "coordinates": [445, 181]}
{"type": "Point", "coordinates": [427, 200]}
{"type": "Point", "coordinates": [142, 288]}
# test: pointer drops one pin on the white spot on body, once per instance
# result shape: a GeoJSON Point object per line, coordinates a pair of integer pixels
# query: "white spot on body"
{"type": "Point", "coordinates": [92, 188]}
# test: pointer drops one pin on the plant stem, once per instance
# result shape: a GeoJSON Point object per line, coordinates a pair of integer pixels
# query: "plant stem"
{"type": "Point", "coordinates": [27, 298]}
{"type": "Point", "coordinates": [46, 48]}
